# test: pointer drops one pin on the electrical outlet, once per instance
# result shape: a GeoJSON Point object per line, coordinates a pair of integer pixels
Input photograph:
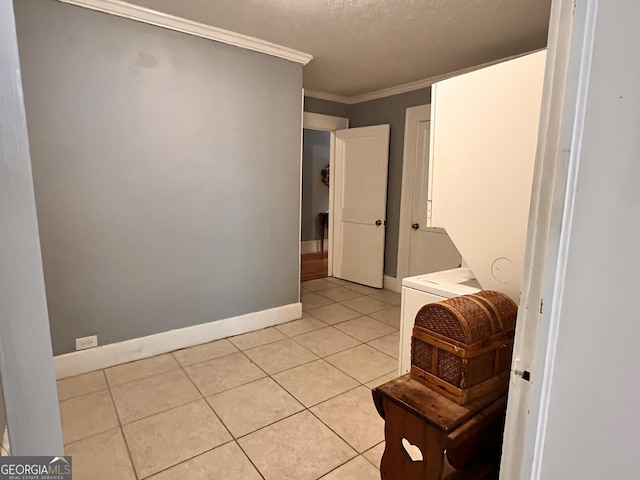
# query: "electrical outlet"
{"type": "Point", "coordinates": [86, 342]}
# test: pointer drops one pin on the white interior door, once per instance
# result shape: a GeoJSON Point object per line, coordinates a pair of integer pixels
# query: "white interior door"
{"type": "Point", "coordinates": [420, 249]}
{"type": "Point", "coordinates": [430, 249]}
{"type": "Point", "coordinates": [360, 204]}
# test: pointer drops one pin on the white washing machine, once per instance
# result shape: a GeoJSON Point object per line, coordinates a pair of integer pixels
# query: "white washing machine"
{"type": "Point", "coordinates": [428, 288]}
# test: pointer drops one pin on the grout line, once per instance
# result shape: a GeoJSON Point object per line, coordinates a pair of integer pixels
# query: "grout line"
{"type": "Point", "coordinates": [208, 404]}
{"type": "Point", "coordinates": [156, 412]}
{"type": "Point", "coordinates": [333, 353]}
{"type": "Point", "coordinates": [126, 446]}
{"type": "Point", "coordinates": [379, 349]}
{"type": "Point", "coordinates": [304, 409]}
{"type": "Point", "coordinates": [124, 438]}
{"type": "Point", "coordinates": [233, 438]}
{"type": "Point", "coordinates": [267, 375]}
{"type": "Point", "coordinates": [210, 359]}
{"type": "Point", "coordinates": [309, 331]}
{"type": "Point", "coordinates": [339, 466]}
{"type": "Point", "coordinates": [230, 388]}
{"type": "Point", "coordinates": [190, 458]}
{"type": "Point", "coordinates": [321, 401]}
{"type": "Point", "coordinates": [337, 434]}
{"type": "Point", "coordinates": [83, 394]}
{"type": "Point", "coordinates": [261, 344]}
{"type": "Point", "coordinates": [249, 458]}
{"type": "Point", "coordinates": [144, 377]}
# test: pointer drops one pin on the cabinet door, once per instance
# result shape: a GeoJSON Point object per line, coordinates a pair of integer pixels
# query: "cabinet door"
{"type": "Point", "coordinates": [483, 148]}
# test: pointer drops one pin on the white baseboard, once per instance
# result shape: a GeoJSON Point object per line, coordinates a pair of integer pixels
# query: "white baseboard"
{"type": "Point", "coordinates": [393, 284]}
{"type": "Point", "coordinates": [312, 246]}
{"type": "Point", "coordinates": [105, 356]}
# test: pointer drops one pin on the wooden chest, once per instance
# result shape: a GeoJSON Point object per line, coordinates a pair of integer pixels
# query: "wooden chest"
{"type": "Point", "coordinates": [461, 347]}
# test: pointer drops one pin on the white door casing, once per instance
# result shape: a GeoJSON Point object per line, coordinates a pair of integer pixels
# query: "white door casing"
{"type": "Point", "coordinates": [360, 203]}
{"type": "Point", "coordinates": [568, 69]}
{"type": "Point", "coordinates": [422, 249]}
{"type": "Point", "coordinates": [324, 123]}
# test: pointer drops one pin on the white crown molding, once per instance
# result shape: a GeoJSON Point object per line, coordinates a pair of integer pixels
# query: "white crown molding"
{"type": "Point", "coordinates": [397, 90]}
{"type": "Point", "coordinates": [171, 22]}
{"type": "Point", "coordinates": [327, 96]}
{"type": "Point", "coordinates": [403, 88]}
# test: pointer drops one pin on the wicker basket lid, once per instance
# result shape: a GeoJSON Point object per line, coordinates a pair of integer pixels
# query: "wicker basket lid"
{"type": "Point", "coordinates": [469, 319]}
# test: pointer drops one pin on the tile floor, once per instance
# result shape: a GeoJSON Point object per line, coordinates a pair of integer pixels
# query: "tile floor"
{"type": "Point", "coordinates": [288, 402]}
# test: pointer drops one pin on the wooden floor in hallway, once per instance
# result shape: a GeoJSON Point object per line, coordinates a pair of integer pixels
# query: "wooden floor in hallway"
{"type": "Point", "coordinates": [314, 266]}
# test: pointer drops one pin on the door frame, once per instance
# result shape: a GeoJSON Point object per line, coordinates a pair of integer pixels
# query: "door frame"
{"type": "Point", "coordinates": [571, 33]}
{"type": "Point", "coordinates": [324, 123]}
{"type": "Point", "coordinates": [413, 116]}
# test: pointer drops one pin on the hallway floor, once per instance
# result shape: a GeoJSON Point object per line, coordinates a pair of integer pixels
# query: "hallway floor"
{"type": "Point", "coordinates": [314, 266]}
{"type": "Point", "coordinates": [287, 402]}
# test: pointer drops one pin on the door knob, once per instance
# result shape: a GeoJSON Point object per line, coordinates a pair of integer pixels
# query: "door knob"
{"type": "Point", "coordinates": [378, 222]}
{"type": "Point", "coordinates": [415, 226]}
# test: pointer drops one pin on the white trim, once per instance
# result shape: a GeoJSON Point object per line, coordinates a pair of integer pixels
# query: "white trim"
{"type": "Point", "coordinates": [557, 277]}
{"type": "Point", "coordinates": [413, 116]}
{"type": "Point", "coordinates": [330, 97]}
{"type": "Point", "coordinates": [300, 191]}
{"type": "Point", "coordinates": [312, 246]}
{"type": "Point", "coordinates": [403, 88]}
{"type": "Point", "coordinates": [556, 160]}
{"type": "Point", "coordinates": [327, 123]}
{"type": "Point", "coordinates": [393, 283]}
{"type": "Point", "coordinates": [171, 22]}
{"type": "Point", "coordinates": [105, 356]}
{"type": "Point", "coordinates": [332, 193]}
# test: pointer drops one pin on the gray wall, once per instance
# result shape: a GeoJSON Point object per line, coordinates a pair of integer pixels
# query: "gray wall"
{"type": "Point", "coordinates": [390, 110]}
{"type": "Point", "coordinates": [167, 173]}
{"type": "Point", "coordinates": [26, 361]}
{"type": "Point", "coordinates": [315, 194]}
{"type": "Point", "coordinates": [325, 107]}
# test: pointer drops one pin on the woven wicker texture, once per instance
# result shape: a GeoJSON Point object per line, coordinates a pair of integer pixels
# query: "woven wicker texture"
{"type": "Point", "coordinates": [507, 308]}
{"type": "Point", "coordinates": [439, 318]}
{"type": "Point", "coordinates": [446, 317]}
{"type": "Point", "coordinates": [449, 368]}
{"type": "Point", "coordinates": [479, 369]}
{"type": "Point", "coordinates": [421, 354]}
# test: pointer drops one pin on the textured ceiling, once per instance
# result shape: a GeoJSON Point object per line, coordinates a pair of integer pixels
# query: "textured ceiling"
{"type": "Point", "coordinates": [360, 46]}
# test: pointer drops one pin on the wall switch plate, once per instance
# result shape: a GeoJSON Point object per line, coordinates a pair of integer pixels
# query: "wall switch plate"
{"type": "Point", "coordinates": [86, 342]}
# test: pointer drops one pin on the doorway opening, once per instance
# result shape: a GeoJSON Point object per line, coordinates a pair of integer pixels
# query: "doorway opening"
{"type": "Point", "coordinates": [421, 248]}
{"type": "Point", "coordinates": [318, 147]}
{"type": "Point", "coordinates": [314, 247]}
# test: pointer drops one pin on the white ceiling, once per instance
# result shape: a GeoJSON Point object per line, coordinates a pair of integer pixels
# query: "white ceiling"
{"type": "Point", "coordinates": [361, 46]}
